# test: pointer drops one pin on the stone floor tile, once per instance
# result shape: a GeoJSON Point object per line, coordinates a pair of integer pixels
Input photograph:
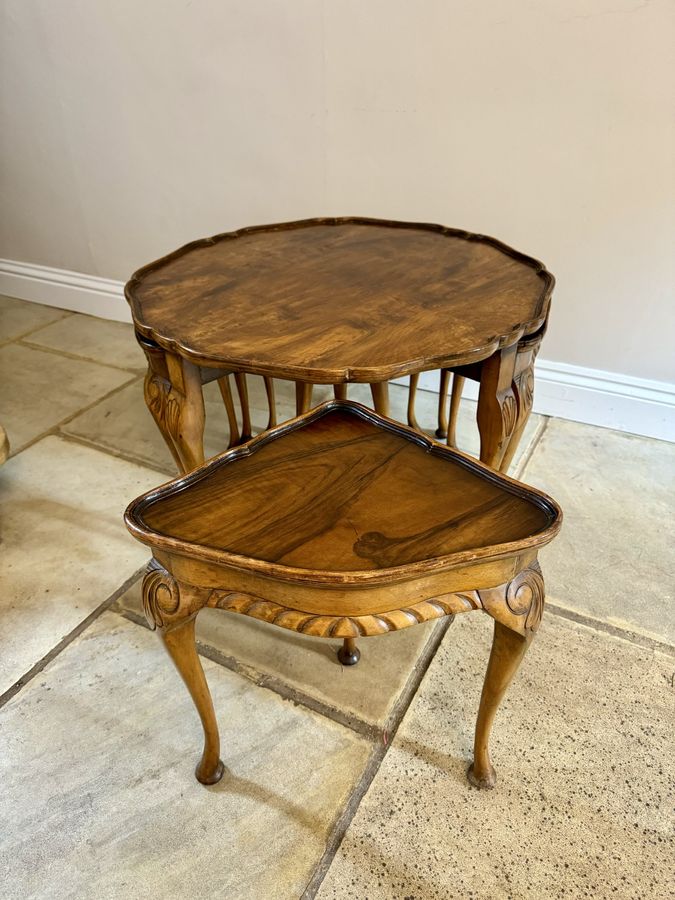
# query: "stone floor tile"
{"type": "Point", "coordinates": [615, 556]}
{"type": "Point", "coordinates": [98, 340]}
{"type": "Point", "coordinates": [99, 798]}
{"type": "Point", "coordinates": [583, 746]}
{"type": "Point", "coordinates": [64, 544]}
{"type": "Point", "coordinates": [40, 389]}
{"type": "Point", "coordinates": [122, 424]}
{"type": "Point", "coordinates": [19, 317]}
{"type": "Point", "coordinates": [367, 691]}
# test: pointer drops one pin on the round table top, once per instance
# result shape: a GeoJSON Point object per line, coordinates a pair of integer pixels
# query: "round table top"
{"type": "Point", "coordinates": [334, 300]}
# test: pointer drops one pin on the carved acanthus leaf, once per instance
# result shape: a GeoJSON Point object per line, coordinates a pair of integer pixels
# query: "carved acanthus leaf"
{"type": "Point", "coordinates": [509, 409]}
{"type": "Point", "coordinates": [524, 387]}
{"type": "Point", "coordinates": [162, 403]}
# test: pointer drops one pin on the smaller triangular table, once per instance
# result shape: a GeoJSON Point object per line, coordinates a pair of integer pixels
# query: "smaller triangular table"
{"type": "Point", "coordinates": [344, 524]}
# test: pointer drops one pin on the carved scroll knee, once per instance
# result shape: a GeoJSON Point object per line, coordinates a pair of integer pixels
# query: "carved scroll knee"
{"type": "Point", "coordinates": [517, 609]}
{"type": "Point", "coordinates": [172, 610]}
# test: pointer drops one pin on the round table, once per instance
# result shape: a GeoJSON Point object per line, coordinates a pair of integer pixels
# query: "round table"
{"type": "Point", "coordinates": [332, 301]}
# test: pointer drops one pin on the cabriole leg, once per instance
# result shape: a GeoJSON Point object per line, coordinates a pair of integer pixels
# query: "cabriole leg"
{"type": "Point", "coordinates": [271, 402]}
{"type": "Point", "coordinates": [242, 390]}
{"type": "Point", "coordinates": [171, 608]}
{"type": "Point", "coordinates": [497, 407]}
{"type": "Point", "coordinates": [523, 389]}
{"type": "Point", "coordinates": [508, 649]}
{"type": "Point", "coordinates": [455, 400]}
{"type": "Point", "coordinates": [442, 430]}
{"type": "Point", "coordinates": [412, 396]}
{"type": "Point", "coordinates": [180, 645]}
{"type": "Point", "coordinates": [380, 392]}
{"type": "Point", "coordinates": [183, 413]}
{"type": "Point", "coordinates": [226, 393]}
{"type": "Point", "coordinates": [303, 397]}
{"type": "Point", "coordinates": [173, 394]}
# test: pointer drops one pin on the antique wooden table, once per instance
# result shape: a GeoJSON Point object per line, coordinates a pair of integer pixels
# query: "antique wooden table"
{"type": "Point", "coordinates": [331, 301]}
{"type": "Point", "coordinates": [343, 524]}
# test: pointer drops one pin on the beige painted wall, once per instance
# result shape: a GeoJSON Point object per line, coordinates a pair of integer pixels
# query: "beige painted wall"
{"type": "Point", "coordinates": [131, 127]}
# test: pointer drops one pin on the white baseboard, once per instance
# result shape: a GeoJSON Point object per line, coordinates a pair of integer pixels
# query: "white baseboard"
{"type": "Point", "coordinates": [622, 402]}
{"type": "Point", "coordinates": [610, 400]}
{"type": "Point", "coordinates": [89, 294]}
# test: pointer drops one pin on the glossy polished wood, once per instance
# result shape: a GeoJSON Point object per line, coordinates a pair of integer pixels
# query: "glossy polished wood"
{"type": "Point", "coordinates": [334, 300]}
{"type": "Point", "coordinates": [343, 524]}
{"type": "Point", "coordinates": [347, 492]}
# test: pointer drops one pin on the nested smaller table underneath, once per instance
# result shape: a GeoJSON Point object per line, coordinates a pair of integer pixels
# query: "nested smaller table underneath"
{"type": "Point", "coordinates": [343, 524]}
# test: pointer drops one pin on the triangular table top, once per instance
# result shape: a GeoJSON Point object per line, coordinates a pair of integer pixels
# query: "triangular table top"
{"type": "Point", "coordinates": [344, 496]}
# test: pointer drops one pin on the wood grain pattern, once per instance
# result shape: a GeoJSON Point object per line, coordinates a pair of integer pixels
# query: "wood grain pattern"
{"type": "Point", "coordinates": [340, 489]}
{"type": "Point", "coordinates": [334, 300]}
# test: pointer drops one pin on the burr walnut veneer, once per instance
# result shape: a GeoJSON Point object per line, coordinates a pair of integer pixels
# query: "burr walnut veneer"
{"type": "Point", "coordinates": [331, 301]}
{"type": "Point", "coordinates": [344, 524]}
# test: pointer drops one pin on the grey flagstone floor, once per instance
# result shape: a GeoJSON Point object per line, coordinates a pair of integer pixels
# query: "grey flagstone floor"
{"type": "Point", "coordinates": [338, 781]}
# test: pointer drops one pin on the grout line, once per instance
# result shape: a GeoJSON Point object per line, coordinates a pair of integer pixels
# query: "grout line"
{"type": "Point", "coordinates": [138, 370]}
{"type": "Point", "coordinates": [343, 822]}
{"type": "Point", "coordinates": [170, 473]}
{"type": "Point", "coordinates": [274, 684]}
{"type": "Point", "coordinates": [69, 638]}
{"type": "Point", "coordinates": [54, 429]}
{"type": "Point", "coordinates": [294, 695]}
{"type": "Point", "coordinates": [379, 752]}
{"type": "Point", "coordinates": [532, 446]}
{"type": "Point", "coordinates": [344, 819]}
{"type": "Point", "coordinates": [20, 337]}
{"type": "Point", "coordinates": [625, 634]}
